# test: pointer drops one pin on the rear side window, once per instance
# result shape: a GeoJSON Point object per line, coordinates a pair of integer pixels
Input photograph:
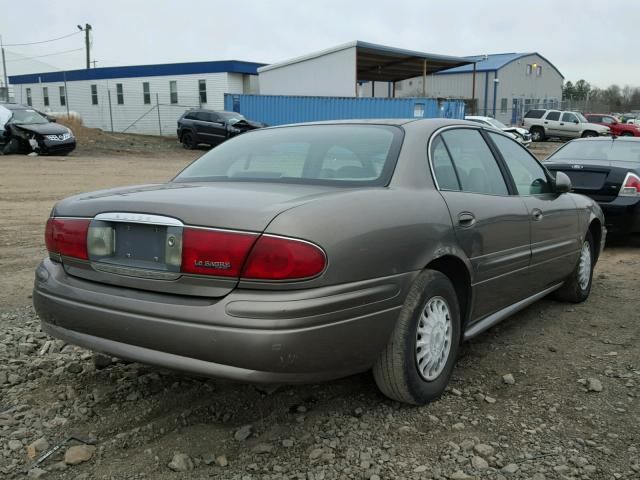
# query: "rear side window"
{"type": "Point", "coordinates": [314, 154]}
{"type": "Point", "coordinates": [476, 166]}
{"type": "Point", "coordinates": [597, 119]}
{"type": "Point", "coordinates": [534, 114]}
{"type": "Point", "coordinates": [528, 175]}
{"type": "Point", "coordinates": [443, 168]}
{"type": "Point", "coordinates": [555, 116]}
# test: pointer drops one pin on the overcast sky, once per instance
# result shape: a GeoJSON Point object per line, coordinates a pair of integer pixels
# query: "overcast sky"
{"type": "Point", "coordinates": [590, 39]}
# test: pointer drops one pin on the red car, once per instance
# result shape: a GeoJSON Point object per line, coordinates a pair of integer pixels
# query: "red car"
{"type": "Point", "coordinates": [617, 128]}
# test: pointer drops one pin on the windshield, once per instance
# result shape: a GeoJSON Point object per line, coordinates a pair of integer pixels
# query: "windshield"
{"type": "Point", "coordinates": [497, 123]}
{"type": "Point", "coordinates": [620, 151]}
{"type": "Point", "coordinates": [27, 117]}
{"type": "Point", "coordinates": [312, 154]}
{"type": "Point", "coordinates": [231, 117]}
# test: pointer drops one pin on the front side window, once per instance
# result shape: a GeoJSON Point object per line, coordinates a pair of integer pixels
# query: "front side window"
{"type": "Point", "coordinates": [555, 116]}
{"type": "Point", "coordinates": [29, 99]}
{"type": "Point", "coordinates": [119, 94]}
{"type": "Point", "coordinates": [94, 94]}
{"type": "Point", "coordinates": [173, 91]}
{"type": "Point", "coordinates": [569, 117]}
{"type": "Point", "coordinates": [474, 163]}
{"type": "Point", "coordinates": [202, 90]}
{"type": "Point", "coordinates": [146, 93]}
{"type": "Point", "coordinates": [528, 175]}
{"type": "Point", "coordinates": [351, 155]}
{"type": "Point", "coordinates": [45, 96]}
{"type": "Point", "coordinates": [63, 96]}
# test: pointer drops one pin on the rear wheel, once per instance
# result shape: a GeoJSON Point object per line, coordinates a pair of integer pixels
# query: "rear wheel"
{"type": "Point", "coordinates": [537, 134]}
{"type": "Point", "coordinates": [577, 286]}
{"type": "Point", "coordinates": [589, 134]}
{"type": "Point", "coordinates": [187, 141]}
{"type": "Point", "coordinates": [626, 134]}
{"type": "Point", "coordinates": [417, 363]}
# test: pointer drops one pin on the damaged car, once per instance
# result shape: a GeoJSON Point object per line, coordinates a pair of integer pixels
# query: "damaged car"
{"type": "Point", "coordinates": [25, 130]}
{"type": "Point", "coordinates": [210, 127]}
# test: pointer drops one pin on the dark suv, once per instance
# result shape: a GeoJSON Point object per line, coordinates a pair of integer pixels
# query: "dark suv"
{"type": "Point", "coordinates": [211, 127]}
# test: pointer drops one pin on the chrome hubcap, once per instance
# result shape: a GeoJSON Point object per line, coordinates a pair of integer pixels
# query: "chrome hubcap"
{"type": "Point", "coordinates": [433, 338]}
{"type": "Point", "coordinates": [584, 267]}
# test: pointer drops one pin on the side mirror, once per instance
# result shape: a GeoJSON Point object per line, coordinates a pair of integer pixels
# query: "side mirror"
{"type": "Point", "coordinates": [576, 121]}
{"type": "Point", "coordinates": [563, 183]}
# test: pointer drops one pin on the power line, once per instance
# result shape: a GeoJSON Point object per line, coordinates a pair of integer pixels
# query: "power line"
{"type": "Point", "coordinates": [37, 43]}
{"type": "Point", "coordinates": [47, 55]}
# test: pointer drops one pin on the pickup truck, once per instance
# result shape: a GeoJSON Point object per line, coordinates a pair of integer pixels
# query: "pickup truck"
{"type": "Point", "coordinates": [561, 124]}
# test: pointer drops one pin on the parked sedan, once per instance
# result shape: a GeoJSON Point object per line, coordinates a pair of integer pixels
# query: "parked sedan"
{"type": "Point", "coordinates": [198, 126]}
{"type": "Point", "coordinates": [520, 134]}
{"type": "Point", "coordinates": [310, 252]}
{"type": "Point", "coordinates": [607, 170]}
{"type": "Point", "coordinates": [24, 130]}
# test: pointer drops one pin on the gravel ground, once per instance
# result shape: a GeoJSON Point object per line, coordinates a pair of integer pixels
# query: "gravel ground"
{"type": "Point", "coordinates": [551, 393]}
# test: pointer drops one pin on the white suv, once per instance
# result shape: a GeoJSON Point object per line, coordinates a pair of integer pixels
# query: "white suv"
{"type": "Point", "coordinates": [562, 124]}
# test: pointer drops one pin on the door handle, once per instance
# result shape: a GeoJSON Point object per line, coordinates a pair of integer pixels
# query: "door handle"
{"type": "Point", "coordinates": [536, 214]}
{"type": "Point", "coordinates": [466, 219]}
{"type": "Point", "coordinates": [546, 123]}
{"type": "Point", "coordinates": [561, 123]}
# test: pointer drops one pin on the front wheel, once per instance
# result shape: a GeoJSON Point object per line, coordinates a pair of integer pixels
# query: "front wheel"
{"type": "Point", "coordinates": [187, 141]}
{"type": "Point", "coordinates": [537, 135]}
{"type": "Point", "coordinates": [417, 363]}
{"type": "Point", "coordinates": [577, 286]}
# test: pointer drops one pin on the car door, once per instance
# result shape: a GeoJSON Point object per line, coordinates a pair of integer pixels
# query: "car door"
{"type": "Point", "coordinates": [217, 128]}
{"type": "Point", "coordinates": [491, 225]}
{"type": "Point", "coordinates": [555, 232]}
{"type": "Point", "coordinates": [552, 124]}
{"type": "Point", "coordinates": [570, 124]}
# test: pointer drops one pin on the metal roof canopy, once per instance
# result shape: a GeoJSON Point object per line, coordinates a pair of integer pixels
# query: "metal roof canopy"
{"type": "Point", "coordinates": [388, 64]}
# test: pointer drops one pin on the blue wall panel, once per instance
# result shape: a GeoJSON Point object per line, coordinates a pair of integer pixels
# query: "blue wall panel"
{"type": "Point", "coordinates": [282, 109]}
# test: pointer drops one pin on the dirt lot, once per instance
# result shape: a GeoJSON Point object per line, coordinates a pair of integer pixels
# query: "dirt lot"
{"type": "Point", "coordinates": [571, 411]}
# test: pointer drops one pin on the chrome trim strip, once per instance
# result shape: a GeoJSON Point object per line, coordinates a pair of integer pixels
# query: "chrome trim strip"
{"type": "Point", "coordinates": [135, 272]}
{"type": "Point", "coordinates": [138, 218]}
{"type": "Point", "coordinates": [495, 318]}
{"type": "Point", "coordinates": [227, 230]}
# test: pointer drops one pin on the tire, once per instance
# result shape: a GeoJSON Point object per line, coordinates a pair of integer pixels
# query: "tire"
{"type": "Point", "coordinates": [589, 134]}
{"type": "Point", "coordinates": [626, 134]}
{"type": "Point", "coordinates": [396, 371]}
{"type": "Point", "coordinates": [577, 286]}
{"type": "Point", "coordinates": [537, 134]}
{"type": "Point", "coordinates": [187, 141]}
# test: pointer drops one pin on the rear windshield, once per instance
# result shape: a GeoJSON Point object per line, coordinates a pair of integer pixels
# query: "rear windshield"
{"type": "Point", "coordinates": [620, 151]}
{"type": "Point", "coordinates": [314, 154]}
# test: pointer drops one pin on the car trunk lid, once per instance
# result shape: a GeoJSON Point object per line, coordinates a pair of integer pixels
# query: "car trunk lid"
{"type": "Point", "coordinates": [135, 235]}
{"type": "Point", "coordinates": [596, 179]}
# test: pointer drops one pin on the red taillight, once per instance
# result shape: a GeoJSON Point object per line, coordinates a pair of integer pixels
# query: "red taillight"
{"type": "Point", "coordinates": [278, 258]}
{"type": "Point", "coordinates": [215, 252]}
{"type": "Point", "coordinates": [67, 236]}
{"type": "Point", "coordinates": [631, 186]}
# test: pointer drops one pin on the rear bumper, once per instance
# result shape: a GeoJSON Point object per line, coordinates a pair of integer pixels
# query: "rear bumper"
{"type": "Point", "coordinates": [250, 336]}
{"type": "Point", "coordinates": [622, 215]}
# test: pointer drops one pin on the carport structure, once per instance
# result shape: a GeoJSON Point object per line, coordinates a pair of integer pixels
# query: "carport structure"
{"type": "Point", "coordinates": [340, 70]}
{"type": "Point", "coordinates": [379, 63]}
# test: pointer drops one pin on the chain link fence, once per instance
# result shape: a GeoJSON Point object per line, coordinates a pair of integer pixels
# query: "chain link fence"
{"type": "Point", "coordinates": [113, 107]}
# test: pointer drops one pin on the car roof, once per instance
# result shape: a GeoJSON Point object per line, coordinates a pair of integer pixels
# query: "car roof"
{"type": "Point", "coordinates": [607, 139]}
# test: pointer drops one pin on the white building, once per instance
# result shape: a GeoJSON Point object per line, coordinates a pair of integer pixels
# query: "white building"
{"type": "Point", "coordinates": [350, 70]}
{"type": "Point", "coordinates": [137, 99]}
{"type": "Point", "coordinates": [506, 85]}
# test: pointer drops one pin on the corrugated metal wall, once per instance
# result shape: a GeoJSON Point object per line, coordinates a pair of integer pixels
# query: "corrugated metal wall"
{"type": "Point", "coordinates": [281, 109]}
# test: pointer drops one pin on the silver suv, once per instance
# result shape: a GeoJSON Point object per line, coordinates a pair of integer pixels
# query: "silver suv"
{"type": "Point", "coordinates": [562, 124]}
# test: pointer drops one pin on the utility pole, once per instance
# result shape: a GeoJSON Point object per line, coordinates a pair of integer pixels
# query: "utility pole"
{"type": "Point", "coordinates": [4, 68]}
{"type": "Point", "coordinates": [87, 33]}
